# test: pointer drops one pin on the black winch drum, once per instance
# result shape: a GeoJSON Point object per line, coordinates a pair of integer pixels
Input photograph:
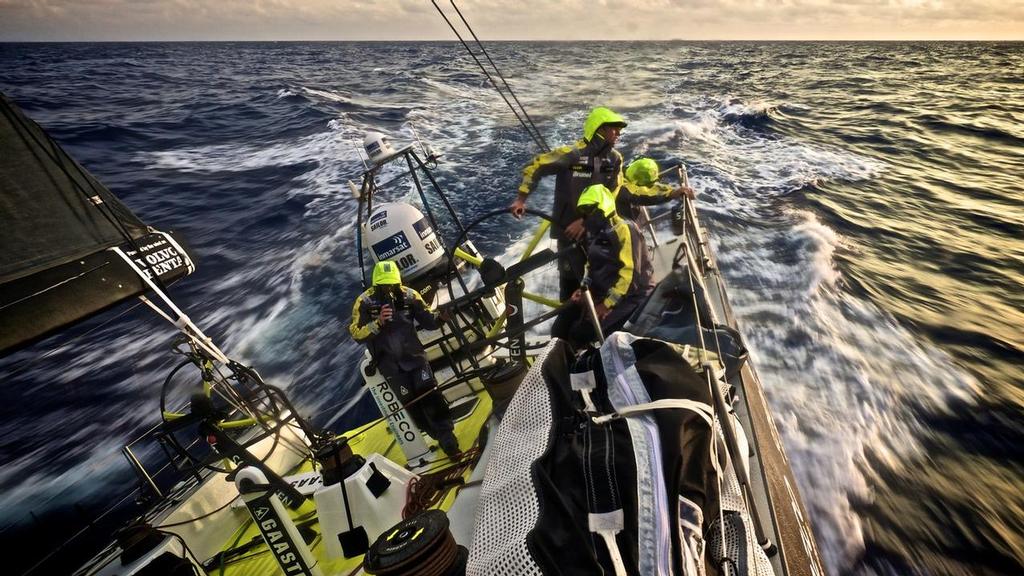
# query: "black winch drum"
{"type": "Point", "coordinates": [418, 546]}
{"type": "Point", "coordinates": [501, 384]}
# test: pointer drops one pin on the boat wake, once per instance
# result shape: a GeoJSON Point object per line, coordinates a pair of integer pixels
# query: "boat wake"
{"type": "Point", "coordinates": [843, 378]}
{"type": "Point", "coordinates": [254, 176]}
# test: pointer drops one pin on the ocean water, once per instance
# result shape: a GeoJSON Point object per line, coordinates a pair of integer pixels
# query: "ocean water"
{"type": "Point", "coordinates": [866, 202]}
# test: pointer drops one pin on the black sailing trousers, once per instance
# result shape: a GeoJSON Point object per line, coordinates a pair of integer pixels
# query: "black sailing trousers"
{"type": "Point", "coordinates": [430, 413]}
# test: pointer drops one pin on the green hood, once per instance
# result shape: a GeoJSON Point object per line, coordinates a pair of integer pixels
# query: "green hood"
{"type": "Point", "coordinates": [643, 172]}
{"type": "Point", "coordinates": [599, 117]}
{"type": "Point", "coordinates": [598, 195]}
{"type": "Point", "coordinates": [386, 272]}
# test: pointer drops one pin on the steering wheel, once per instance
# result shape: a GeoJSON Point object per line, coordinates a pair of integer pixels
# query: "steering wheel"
{"type": "Point", "coordinates": [493, 274]}
{"type": "Point", "coordinates": [216, 401]}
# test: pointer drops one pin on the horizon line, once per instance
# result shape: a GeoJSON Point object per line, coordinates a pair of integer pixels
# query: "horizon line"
{"type": "Point", "coordinates": [408, 40]}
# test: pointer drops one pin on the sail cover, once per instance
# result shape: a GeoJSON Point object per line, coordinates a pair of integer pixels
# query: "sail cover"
{"type": "Point", "coordinates": [62, 234]}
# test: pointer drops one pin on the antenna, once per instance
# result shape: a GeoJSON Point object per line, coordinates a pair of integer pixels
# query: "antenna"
{"type": "Point", "coordinates": [359, 153]}
{"type": "Point", "coordinates": [517, 109]}
{"type": "Point", "coordinates": [428, 151]}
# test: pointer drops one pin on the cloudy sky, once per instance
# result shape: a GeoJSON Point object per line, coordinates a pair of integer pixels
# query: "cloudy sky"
{"type": "Point", "coordinates": [41, 20]}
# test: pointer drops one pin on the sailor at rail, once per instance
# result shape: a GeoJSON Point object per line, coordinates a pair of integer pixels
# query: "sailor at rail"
{"type": "Point", "coordinates": [643, 188]}
{"type": "Point", "coordinates": [383, 318]}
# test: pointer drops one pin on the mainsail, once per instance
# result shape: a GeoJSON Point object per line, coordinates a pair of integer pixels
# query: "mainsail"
{"type": "Point", "coordinates": [68, 247]}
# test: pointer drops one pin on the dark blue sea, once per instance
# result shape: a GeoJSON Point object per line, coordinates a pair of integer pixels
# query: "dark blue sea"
{"type": "Point", "coordinates": [866, 202]}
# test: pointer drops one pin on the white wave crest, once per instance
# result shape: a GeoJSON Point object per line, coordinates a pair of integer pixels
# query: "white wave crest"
{"type": "Point", "coordinates": [735, 108]}
{"type": "Point", "coordinates": [327, 95]}
{"type": "Point", "coordinates": [840, 374]}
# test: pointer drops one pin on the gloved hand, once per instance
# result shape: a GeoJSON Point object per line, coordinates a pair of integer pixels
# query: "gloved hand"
{"type": "Point", "coordinates": [684, 191]}
{"type": "Point", "coordinates": [444, 314]}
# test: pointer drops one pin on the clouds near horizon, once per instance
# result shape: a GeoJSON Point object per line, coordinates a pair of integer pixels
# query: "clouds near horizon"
{"type": "Point", "coordinates": [55, 20]}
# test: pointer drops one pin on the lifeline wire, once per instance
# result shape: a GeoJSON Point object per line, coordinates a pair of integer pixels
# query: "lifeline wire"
{"type": "Point", "coordinates": [738, 467]}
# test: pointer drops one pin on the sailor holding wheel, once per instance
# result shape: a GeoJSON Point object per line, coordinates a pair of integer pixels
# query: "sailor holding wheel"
{"type": "Point", "coordinates": [384, 317]}
{"type": "Point", "coordinates": [591, 160]}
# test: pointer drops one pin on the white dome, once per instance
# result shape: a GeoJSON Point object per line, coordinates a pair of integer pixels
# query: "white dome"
{"type": "Point", "coordinates": [399, 232]}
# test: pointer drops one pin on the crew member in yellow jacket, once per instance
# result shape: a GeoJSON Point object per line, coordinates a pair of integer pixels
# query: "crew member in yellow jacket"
{"type": "Point", "coordinates": [591, 160]}
{"type": "Point", "coordinates": [642, 187]}
{"type": "Point", "coordinates": [384, 317]}
{"type": "Point", "coordinates": [619, 272]}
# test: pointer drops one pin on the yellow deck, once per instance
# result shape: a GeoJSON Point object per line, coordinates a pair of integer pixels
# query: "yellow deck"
{"type": "Point", "coordinates": [258, 562]}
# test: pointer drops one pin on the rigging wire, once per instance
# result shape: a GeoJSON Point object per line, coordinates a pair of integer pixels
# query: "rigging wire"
{"type": "Point", "coordinates": [519, 113]}
{"type": "Point", "coordinates": [708, 373]}
{"type": "Point", "coordinates": [739, 468]}
{"type": "Point", "coordinates": [544, 144]}
{"type": "Point", "coordinates": [91, 525]}
{"type": "Point", "coordinates": [24, 365]}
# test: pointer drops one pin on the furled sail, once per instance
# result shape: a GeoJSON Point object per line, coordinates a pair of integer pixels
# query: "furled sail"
{"type": "Point", "coordinates": [68, 247]}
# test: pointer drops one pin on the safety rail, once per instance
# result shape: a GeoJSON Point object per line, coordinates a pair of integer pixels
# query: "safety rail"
{"type": "Point", "coordinates": [696, 237]}
{"type": "Point", "coordinates": [96, 526]}
{"type": "Point", "coordinates": [151, 477]}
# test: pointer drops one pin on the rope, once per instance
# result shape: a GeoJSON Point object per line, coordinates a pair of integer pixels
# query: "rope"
{"type": "Point", "coordinates": [197, 518]}
{"type": "Point", "coordinates": [429, 489]}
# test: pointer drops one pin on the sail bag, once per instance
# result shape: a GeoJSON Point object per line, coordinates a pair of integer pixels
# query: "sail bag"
{"type": "Point", "coordinates": [612, 463]}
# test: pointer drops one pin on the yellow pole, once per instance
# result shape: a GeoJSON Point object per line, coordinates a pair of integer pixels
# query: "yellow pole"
{"type": "Point", "coordinates": [498, 325]}
{"type": "Point", "coordinates": [536, 239]}
{"type": "Point", "coordinates": [549, 302]}
{"type": "Point", "coordinates": [475, 261]}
